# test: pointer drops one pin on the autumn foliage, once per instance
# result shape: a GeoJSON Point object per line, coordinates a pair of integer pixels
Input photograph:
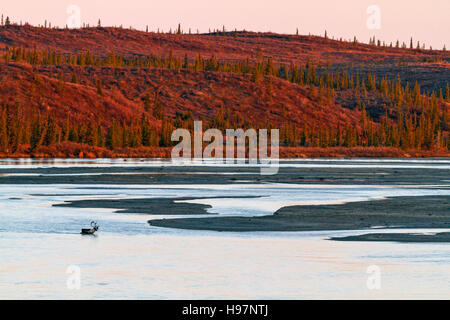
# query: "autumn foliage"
{"type": "Point", "coordinates": [62, 96]}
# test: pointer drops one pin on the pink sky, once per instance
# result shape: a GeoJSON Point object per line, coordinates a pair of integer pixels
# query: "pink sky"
{"type": "Point", "coordinates": [425, 21]}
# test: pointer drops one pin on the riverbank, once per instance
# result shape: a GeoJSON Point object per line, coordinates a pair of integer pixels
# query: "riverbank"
{"type": "Point", "coordinates": [155, 206]}
{"type": "Point", "coordinates": [397, 212]}
{"type": "Point", "coordinates": [421, 212]}
{"type": "Point", "coordinates": [398, 237]}
{"type": "Point", "coordinates": [84, 151]}
{"type": "Point", "coordinates": [164, 172]}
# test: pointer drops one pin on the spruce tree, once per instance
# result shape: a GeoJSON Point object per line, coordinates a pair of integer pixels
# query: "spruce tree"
{"type": "Point", "coordinates": [447, 93]}
{"type": "Point", "coordinates": [99, 87]}
{"type": "Point", "coordinates": [147, 103]}
{"type": "Point", "coordinates": [4, 131]}
{"type": "Point", "coordinates": [146, 132]}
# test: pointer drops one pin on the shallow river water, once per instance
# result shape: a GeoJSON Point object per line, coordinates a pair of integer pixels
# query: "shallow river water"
{"type": "Point", "coordinates": [40, 245]}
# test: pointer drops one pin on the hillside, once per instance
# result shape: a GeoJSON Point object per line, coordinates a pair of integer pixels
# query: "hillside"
{"type": "Point", "coordinates": [204, 94]}
{"type": "Point", "coordinates": [229, 45]}
{"type": "Point", "coordinates": [117, 82]}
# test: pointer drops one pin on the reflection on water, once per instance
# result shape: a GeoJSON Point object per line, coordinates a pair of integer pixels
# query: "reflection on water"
{"type": "Point", "coordinates": [130, 259]}
{"type": "Point", "coordinates": [200, 265]}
